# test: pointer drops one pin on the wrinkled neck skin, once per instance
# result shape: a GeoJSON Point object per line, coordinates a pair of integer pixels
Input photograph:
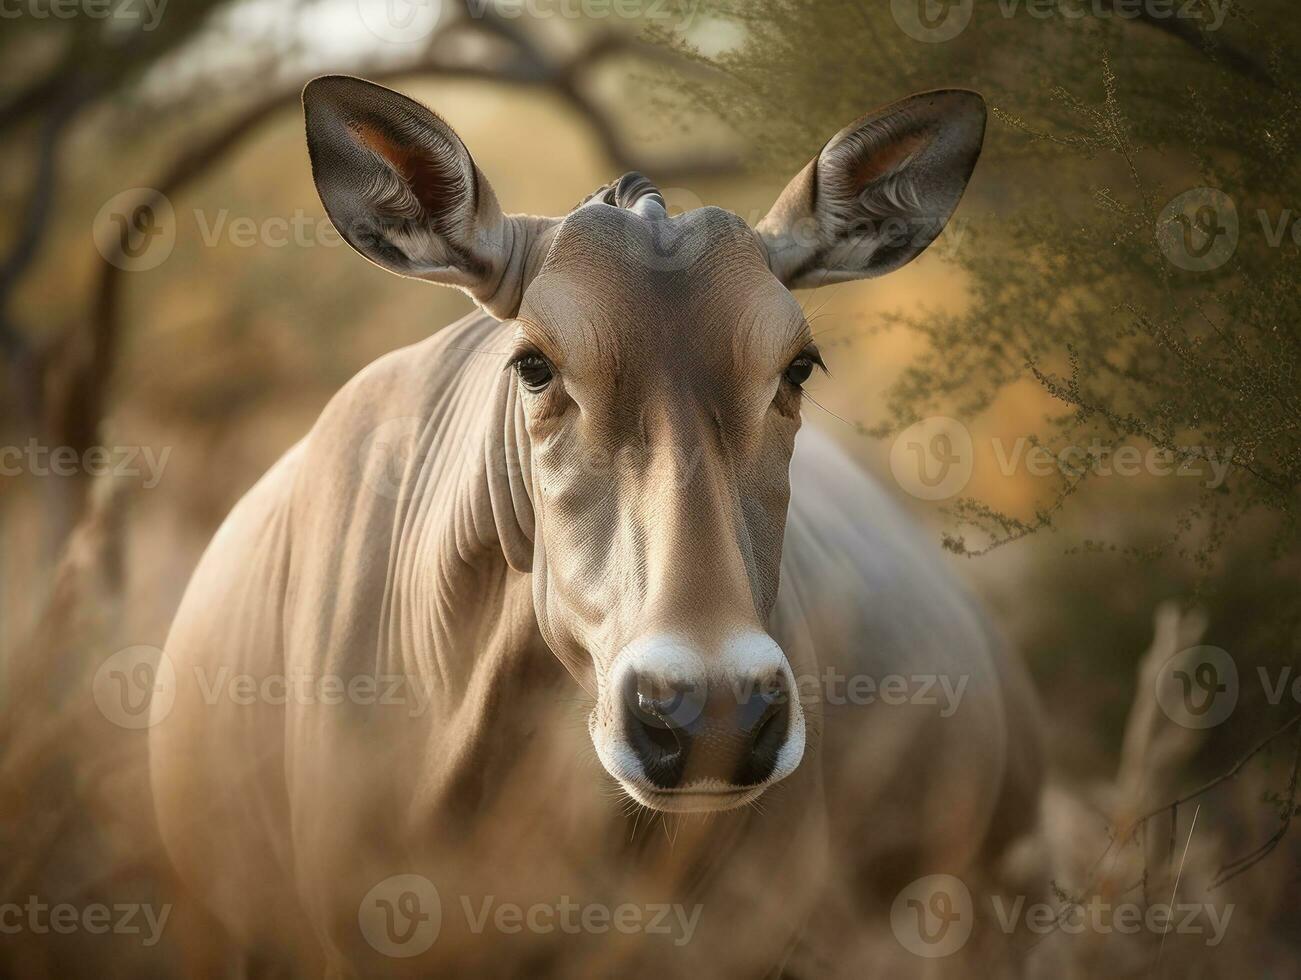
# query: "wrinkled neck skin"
{"type": "Point", "coordinates": [459, 616]}
{"type": "Point", "coordinates": [485, 751]}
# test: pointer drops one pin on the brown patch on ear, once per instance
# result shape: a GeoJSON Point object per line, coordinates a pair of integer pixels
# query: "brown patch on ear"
{"type": "Point", "coordinates": [435, 182]}
{"type": "Point", "coordinates": [874, 166]}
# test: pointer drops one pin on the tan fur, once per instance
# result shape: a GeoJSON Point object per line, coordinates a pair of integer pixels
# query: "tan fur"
{"type": "Point", "coordinates": [494, 550]}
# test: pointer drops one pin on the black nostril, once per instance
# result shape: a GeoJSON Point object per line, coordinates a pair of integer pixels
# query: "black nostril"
{"type": "Point", "coordinates": [653, 718]}
{"type": "Point", "coordinates": [765, 716]}
{"type": "Point", "coordinates": [711, 733]}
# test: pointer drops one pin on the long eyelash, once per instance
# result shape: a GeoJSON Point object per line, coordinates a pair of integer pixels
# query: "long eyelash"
{"type": "Point", "coordinates": [827, 410]}
{"type": "Point", "coordinates": [520, 355]}
{"type": "Point", "coordinates": [815, 355]}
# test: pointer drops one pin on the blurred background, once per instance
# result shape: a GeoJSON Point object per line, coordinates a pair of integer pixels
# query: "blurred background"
{"type": "Point", "coordinates": [1104, 341]}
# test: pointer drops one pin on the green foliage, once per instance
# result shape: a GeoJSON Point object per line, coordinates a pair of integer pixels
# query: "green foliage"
{"type": "Point", "coordinates": [1076, 259]}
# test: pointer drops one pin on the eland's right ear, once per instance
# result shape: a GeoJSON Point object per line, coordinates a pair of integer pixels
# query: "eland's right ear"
{"type": "Point", "coordinates": [401, 188]}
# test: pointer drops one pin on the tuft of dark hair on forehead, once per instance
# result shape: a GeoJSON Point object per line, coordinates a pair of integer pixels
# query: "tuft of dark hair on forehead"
{"type": "Point", "coordinates": [633, 191]}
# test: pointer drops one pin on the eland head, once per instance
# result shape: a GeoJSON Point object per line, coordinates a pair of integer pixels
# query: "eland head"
{"type": "Point", "coordinates": [658, 363]}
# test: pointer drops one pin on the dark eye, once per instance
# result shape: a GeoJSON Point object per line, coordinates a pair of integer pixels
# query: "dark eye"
{"type": "Point", "coordinates": [802, 367]}
{"type": "Point", "coordinates": [534, 371]}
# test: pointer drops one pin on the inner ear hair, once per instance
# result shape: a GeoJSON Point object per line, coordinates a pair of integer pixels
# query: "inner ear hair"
{"type": "Point", "coordinates": [880, 191]}
{"type": "Point", "coordinates": [402, 189]}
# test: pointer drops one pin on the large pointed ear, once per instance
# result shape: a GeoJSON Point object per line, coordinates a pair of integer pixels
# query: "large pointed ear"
{"type": "Point", "coordinates": [879, 192]}
{"type": "Point", "coordinates": [401, 188]}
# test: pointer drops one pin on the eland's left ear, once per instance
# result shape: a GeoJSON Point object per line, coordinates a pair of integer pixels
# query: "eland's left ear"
{"type": "Point", "coordinates": [880, 191]}
{"type": "Point", "coordinates": [402, 189]}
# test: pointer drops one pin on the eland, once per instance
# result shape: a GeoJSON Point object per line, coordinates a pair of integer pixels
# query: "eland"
{"type": "Point", "coordinates": [556, 621]}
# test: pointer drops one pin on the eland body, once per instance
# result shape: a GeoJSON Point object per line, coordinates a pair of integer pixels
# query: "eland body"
{"type": "Point", "coordinates": [563, 573]}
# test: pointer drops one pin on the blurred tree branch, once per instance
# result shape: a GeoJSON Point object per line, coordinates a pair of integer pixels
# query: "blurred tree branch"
{"type": "Point", "coordinates": [92, 67]}
{"type": "Point", "coordinates": [1188, 31]}
{"type": "Point", "coordinates": [69, 377]}
{"type": "Point", "coordinates": [37, 210]}
{"type": "Point", "coordinates": [1287, 809]}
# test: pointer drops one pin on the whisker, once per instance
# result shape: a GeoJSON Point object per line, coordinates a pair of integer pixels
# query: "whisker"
{"type": "Point", "coordinates": [829, 411]}
{"type": "Point", "coordinates": [821, 305]}
{"type": "Point", "coordinates": [636, 820]}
